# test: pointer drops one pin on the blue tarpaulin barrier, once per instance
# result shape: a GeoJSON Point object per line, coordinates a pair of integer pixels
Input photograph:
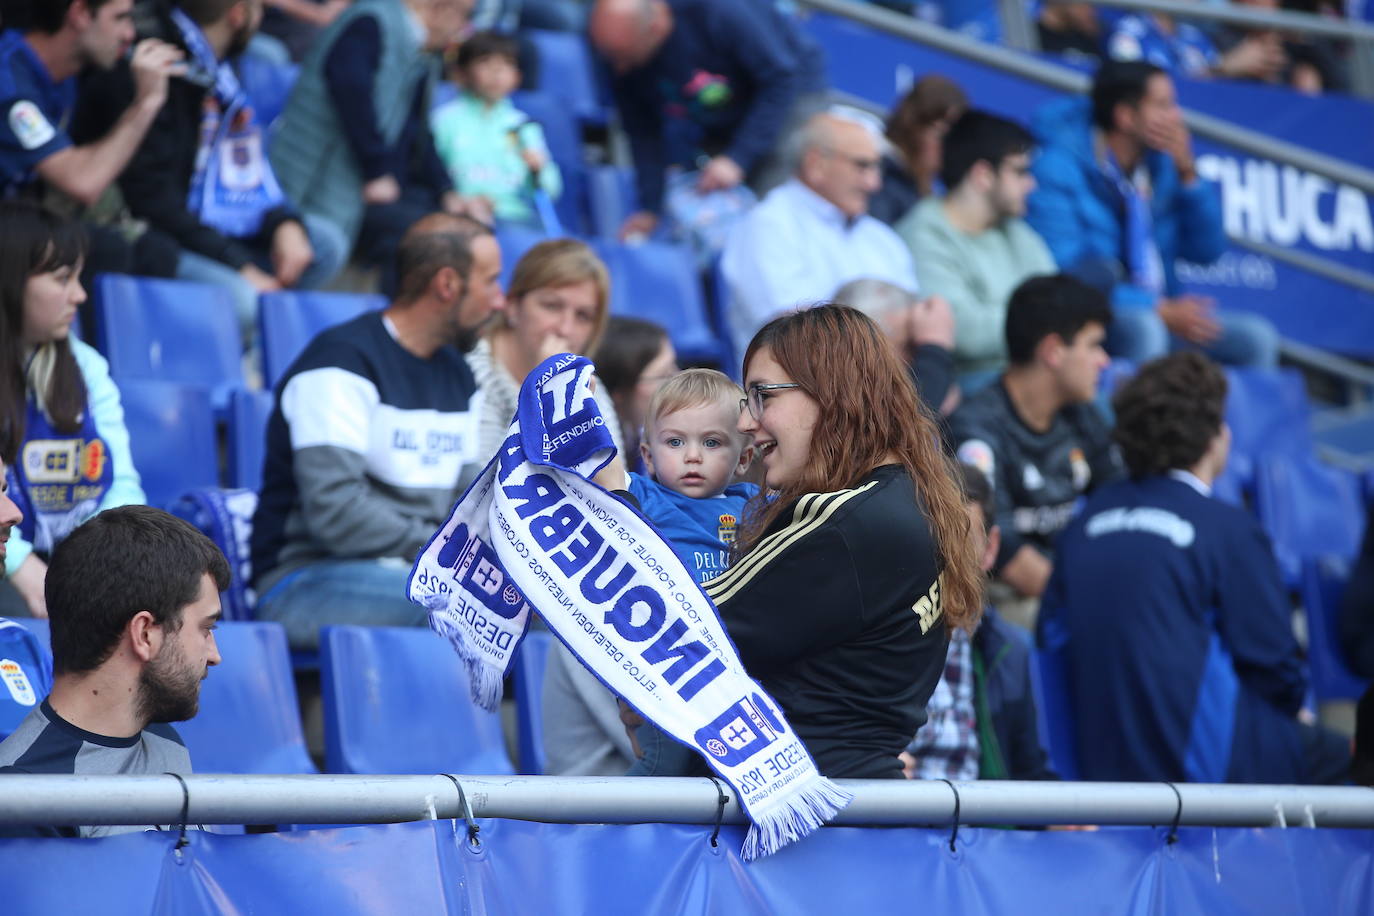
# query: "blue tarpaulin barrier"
{"type": "Point", "coordinates": [427, 867]}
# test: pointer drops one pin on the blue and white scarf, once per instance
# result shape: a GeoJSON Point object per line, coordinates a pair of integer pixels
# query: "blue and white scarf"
{"type": "Point", "coordinates": [233, 185]}
{"type": "Point", "coordinates": [532, 533]}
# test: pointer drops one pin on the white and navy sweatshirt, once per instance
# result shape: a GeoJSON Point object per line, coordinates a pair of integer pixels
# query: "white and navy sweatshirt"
{"type": "Point", "coordinates": [368, 446]}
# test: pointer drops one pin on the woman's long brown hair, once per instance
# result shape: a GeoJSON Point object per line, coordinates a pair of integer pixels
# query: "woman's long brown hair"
{"type": "Point", "coordinates": [869, 410]}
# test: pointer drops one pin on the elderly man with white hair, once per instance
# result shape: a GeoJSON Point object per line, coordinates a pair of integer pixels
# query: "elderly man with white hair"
{"type": "Point", "coordinates": [813, 233]}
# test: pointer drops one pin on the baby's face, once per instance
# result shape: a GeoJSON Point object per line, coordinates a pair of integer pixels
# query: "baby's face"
{"type": "Point", "coordinates": [695, 451]}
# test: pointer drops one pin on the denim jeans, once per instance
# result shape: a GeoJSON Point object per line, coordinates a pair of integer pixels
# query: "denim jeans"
{"type": "Point", "coordinates": [331, 253]}
{"type": "Point", "coordinates": [359, 592]}
{"type": "Point", "coordinates": [663, 756]}
{"type": "Point", "coordinates": [1246, 339]}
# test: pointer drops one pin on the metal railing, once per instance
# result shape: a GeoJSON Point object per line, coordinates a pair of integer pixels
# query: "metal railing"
{"type": "Point", "coordinates": [210, 799]}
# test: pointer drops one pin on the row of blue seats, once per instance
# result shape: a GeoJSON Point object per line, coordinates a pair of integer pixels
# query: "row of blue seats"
{"type": "Point", "coordinates": [395, 701]}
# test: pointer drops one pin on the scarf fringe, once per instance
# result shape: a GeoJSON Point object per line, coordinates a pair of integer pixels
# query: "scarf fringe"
{"type": "Point", "coordinates": [485, 683]}
{"type": "Point", "coordinates": [810, 809]}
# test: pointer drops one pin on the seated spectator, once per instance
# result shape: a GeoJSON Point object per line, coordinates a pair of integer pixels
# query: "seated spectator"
{"type": "Point", "coordinates": [812, 234]}
{"type": "Point", "coordinates": [558, 301]}
{"type": "Point", "coordinates": [1036, 433]}
{"type": "Point", "coordinates": [1184, 50]}
{"type": "Point", "coordinates": [134, 595]}
{"type": "Point", "coordinates": [353, 145]}
{"type": "Point", "coordinates": [717, 85]}
{"type": "Point", "coordinates": [1357, 609]}
{"type": "Point", "coordinates": [1070, 30]}
{"type": "Point", "coordinates": [59, 410]}
{"type": "Point", "coordinates": [46, 46]}
{"type": "Point", "coordinates": [24, 664]}
{"type": "Point", "coordinates": [695, 453]}
{"type": "Point", "coordinates": [632, 360]}
{"type": "Point", "coordinates": [1119, 199]}
{"type": "Point", "coordinates": [921, 330]}
{"type": "Point", "coordinates": [372, 438]}
{"type": "Point", "coordinates": [981, 721]}
{"type": "Point", "coordinates": [493, 150]}
{"type": "Point", "coordinates": [911, 157]}
{"type": "Point", "coordinates": [973, 245]}
{"type": "Point", "coordinates": [201, 174]}
{"type": "Point", "coordinates": [1167, 609]}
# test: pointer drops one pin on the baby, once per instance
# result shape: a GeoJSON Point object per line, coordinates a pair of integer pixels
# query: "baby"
{"type": "Point", "coordinates": [694, 454]}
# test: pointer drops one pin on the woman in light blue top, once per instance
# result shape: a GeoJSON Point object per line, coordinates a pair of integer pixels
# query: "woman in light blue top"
{"type": "Point", "coordinates": [62, 433]}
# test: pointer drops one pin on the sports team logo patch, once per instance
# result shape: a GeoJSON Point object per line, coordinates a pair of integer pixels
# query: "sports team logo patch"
{"type": "Point", "coordinates": [18, 682]}
{"type": "Point", "coordinates": [29, 126]}
{"type": "Point", "coordinates": [726, 531]}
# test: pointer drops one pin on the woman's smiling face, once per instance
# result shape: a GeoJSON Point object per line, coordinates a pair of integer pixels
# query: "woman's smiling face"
{"type": "Point", "coordinates": [782, 434]}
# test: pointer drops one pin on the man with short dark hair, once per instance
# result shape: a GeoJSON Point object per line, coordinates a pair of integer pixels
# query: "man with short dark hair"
{"type": "Point", "coordinates": [1036, 432]}
{"type": "Point", "coordinates": [1167, 609]}
{"type": "Point", "coordinates": [1119, 200]}
{"type": "Point", "coordinates": [133, 600]}
{"type": "Point", "coordinates": [972, 244]}
{"type": "Point", "coordinates": [373, 437]}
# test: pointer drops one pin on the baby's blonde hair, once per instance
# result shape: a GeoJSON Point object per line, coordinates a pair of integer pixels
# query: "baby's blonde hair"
{"type": "Point", "coordinates": [692, 388]}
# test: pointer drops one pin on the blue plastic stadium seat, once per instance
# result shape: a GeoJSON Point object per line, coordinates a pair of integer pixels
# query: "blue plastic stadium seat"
{"type": "Point", "coordinates": [172, 437]}
{"type": "Point", "coordinates": [563, 135]}
{"type": "Point", "coordinates": [1054, 709]}
{"type": "Point", "coordinates": [1308, 509]}
{"type": "Point", "coordinates": [249, 721]}
{"type": "Point", "coordinates": [529, 663]}
{"type": "Point", "coordinates": [659, 282]}
{"type": "Point", "coordinates": [290, 319]}
{"type": "Point", "coordinates": [1268, 412]}
{"type": "Point", "coordinates": [1323, 585]}
{"type": "Point", "coordinates": [567, 71]}
{"type": "Point", "coordinates": [515, 241]}
{"type": "Point", "coordinates": [611, 197]}
{"type": "Point", "coordinates": [170, 330]}
{"type": "Point", "coordinates": [396, 700]}
{"type": "Point", "coordinates": [248, 415]}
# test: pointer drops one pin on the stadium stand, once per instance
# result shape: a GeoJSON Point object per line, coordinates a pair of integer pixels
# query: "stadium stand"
{"type": "Point", "coordinates": [248, 720]}
{"type": "Point", "coordinates": [568, 73]}
{"type": "Point", "coordinates": [397, 701]}
{"type": "Point", "coordinates": [169, 331]}
{"type": "Point", "coordinates": [172, 436]}
{"type": "Point", "coordinates": [1308, 509]}
{"type": "Point", "coordinates": [247, 438]}
{"type": "Point", "coordinates": [289, 320]}
{"type": "Point", "coordinates": [529, 687]}
{"type": "Point", "coordinates": [1323, 585]}
{"type": "Point", "coordinates": [658, 281]}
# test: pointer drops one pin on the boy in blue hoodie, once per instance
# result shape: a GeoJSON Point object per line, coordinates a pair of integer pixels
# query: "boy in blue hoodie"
{"type": "Point", "coordinates": [693, 454]}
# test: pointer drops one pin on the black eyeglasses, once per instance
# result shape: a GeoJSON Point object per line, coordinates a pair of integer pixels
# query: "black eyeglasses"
{"type": "Point", "coordinates": [754, 402]}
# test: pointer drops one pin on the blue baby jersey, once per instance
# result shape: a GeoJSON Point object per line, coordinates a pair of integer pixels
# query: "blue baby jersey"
{"type": "Point", "coordinates": [701, 531]}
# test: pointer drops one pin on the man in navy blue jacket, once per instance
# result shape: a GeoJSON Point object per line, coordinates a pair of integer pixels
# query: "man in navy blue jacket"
{"type": "Point", "coordinates": [1167, 609]}
{"type": "Point", "coordinates": [704, 83]}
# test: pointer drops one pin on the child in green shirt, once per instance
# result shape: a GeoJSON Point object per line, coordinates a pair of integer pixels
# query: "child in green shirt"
{"type": "Point", "coordinates": [492, 149]}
